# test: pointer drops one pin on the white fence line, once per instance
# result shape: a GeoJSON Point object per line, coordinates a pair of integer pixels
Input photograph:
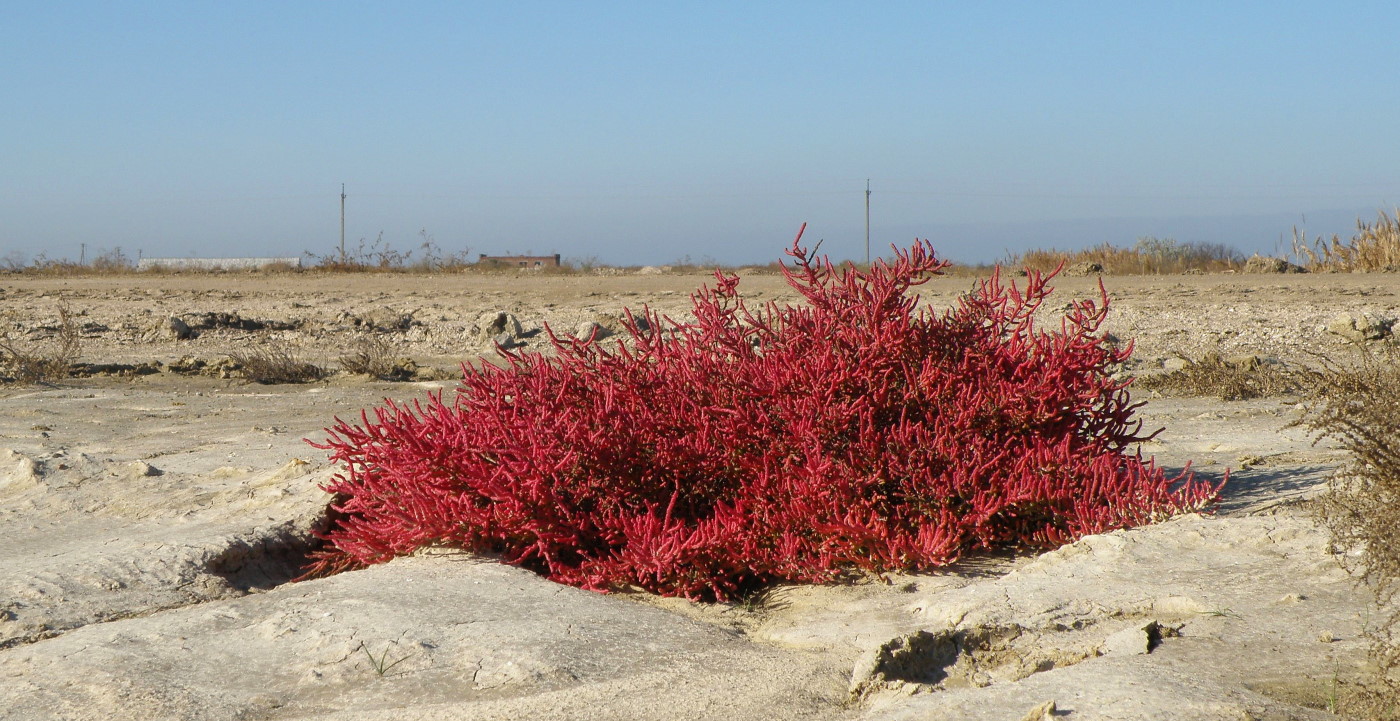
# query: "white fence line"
{"type": "Point", "coordinates": [214, 263]}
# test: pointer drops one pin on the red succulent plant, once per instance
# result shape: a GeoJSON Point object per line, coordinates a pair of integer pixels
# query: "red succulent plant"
{"type": "Point", "coordinates": [856, 431]}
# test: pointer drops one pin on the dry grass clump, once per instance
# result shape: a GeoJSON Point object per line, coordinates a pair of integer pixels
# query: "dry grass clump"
{"type": "Point", "coordinates": [380, 256]}
{"type": "Point", "coordinates": [1229, 379]}
{"type": "Point", "coordinates": [26, 361]}
{"type": "Point", "coordinates": [1149, 256]}
{"type": "Point", "coordinates": [1375, 247]}
{"type": "Point", "coordinates": [280, 266]}
{"type": "Point", "coordinates": [373, 356]}
{"type": "Point", "coordinates": [112, 262]}
{"type": "Point", "coordinates": [274, 362]}
{"type": "Point", "coordinates": [1358, 406]}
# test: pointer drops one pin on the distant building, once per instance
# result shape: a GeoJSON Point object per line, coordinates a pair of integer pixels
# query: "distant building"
{"type": "Point", "coordinates": [521, 261]}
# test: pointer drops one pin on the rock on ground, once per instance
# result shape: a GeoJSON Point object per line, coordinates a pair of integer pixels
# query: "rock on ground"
{"type": "Point", "coordinates": [1266, 264]}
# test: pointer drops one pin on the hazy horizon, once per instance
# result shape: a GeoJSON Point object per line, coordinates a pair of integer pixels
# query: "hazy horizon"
{"type": "Point", "coordinates": [971, 243]}
{"type": "Point", "coordinates": [639, 134]}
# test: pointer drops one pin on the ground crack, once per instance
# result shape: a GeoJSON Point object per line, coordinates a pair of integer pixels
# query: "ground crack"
{"type": "Point", "coordinates": [927, 661]}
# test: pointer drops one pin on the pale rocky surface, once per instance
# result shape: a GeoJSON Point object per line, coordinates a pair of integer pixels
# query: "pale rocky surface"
{"type": "Point", "coordinates": [149, 526]}
{"type": "Point", "coordinates": [1219, 614]}
{"type": "Point", "coordinates": [440, 319]}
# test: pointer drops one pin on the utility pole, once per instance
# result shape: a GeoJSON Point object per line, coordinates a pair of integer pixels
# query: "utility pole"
{"type": "Point", "coordinates": [342, 222]}
{"type": "Point", "coordinates": [867, 222]}
{"type": "Point", "coordinates": [82, 254]}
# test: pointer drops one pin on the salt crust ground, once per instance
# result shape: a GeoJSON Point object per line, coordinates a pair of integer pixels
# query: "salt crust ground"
{"type": "Point", "coordinates": [147, 528]}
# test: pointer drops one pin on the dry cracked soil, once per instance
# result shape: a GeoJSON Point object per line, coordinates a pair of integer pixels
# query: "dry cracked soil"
{"type": "Point", "coordinates": [153, 513]}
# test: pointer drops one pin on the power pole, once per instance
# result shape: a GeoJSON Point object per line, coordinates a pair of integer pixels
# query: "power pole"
{"type": "Point", "coordinates": [867, 222]}
{"type": "Point", "coordinates": [82, 254]}
{"type": "Point", "coordinates": [342, 222]}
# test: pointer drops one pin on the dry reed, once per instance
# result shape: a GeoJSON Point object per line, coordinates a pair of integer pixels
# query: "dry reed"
{"type": "Point", "coordinates": [1149, 256]}
{"type": "Point", "coordinates": [1374, 248]}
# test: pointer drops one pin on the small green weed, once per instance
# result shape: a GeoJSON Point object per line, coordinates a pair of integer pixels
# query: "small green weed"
{"type": "Point", "coordinates": [382, 665]}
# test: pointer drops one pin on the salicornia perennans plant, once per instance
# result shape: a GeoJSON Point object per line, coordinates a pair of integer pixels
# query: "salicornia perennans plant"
{"type": "Point", "coordinates": [754, 445]}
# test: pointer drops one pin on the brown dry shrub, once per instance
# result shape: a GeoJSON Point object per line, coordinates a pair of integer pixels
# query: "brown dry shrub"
{"type": "Point", "coordinates": [1229, 379]}
{"type": "Point", "coordinates": [1357, 405]}
{"type": "Point", "coordinates": [373, 356]}
{"type": "Point", "coordinates": [275, 362]}
{"type": "Point", "coordinates": [28, 361]}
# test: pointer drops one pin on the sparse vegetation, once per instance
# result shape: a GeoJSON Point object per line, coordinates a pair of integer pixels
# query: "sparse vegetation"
{"type": "Point", "coordinates": [1229, 379]}
{"type": "Point", "coordinates": [1358, 406]}
{"type": "Point", "coordinates": [1374, 248]}
{"type": "Point", "coordinates": [380, 256]}
{"type": "Point", "coordinates": [26, 360]}
{"type": "Point", "coordinates": [274, 362]}
{"type": "Point", "coordinates": [373, 356]}
{"type": "Point", "coordinates": [111, 262]}
{"type": "Point", "coordinates": [1149, 256]}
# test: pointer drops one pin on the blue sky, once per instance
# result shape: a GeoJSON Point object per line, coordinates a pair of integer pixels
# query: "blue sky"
{"type": "Point", "coordinates": [647, 132]}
